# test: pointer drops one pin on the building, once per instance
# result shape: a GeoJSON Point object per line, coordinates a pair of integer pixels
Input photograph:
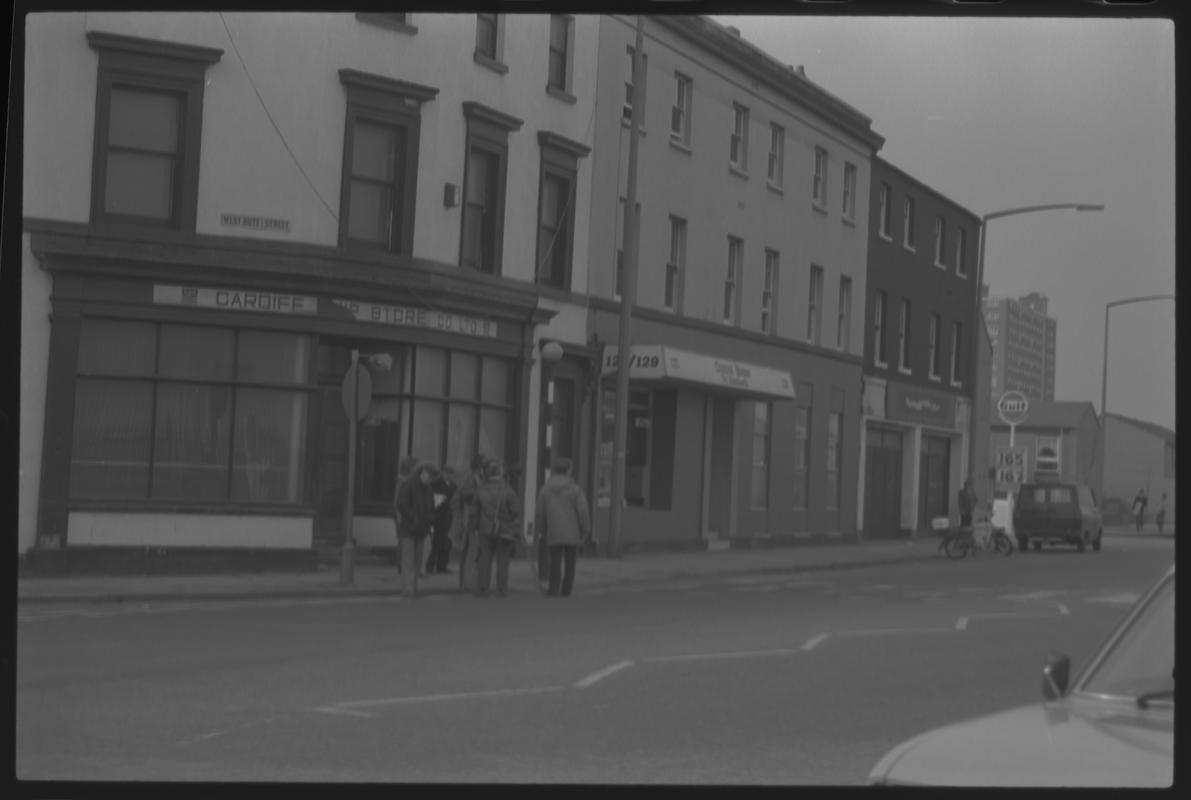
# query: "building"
{"type": "Point", "coordinates": [982, 416]}
{"type": "Point", "coordinates": [1058, 440]}
{"type": "Point", "coordinates": [220, 208]}
{"type": "Point", "coordinates": [1023, 337]}
{"type": "Point", "coordinates": [920, 310]}
{"type": "Point", "coordinates": [747, 330]}
{"type": "Point", "coordinates": [1139, 455]}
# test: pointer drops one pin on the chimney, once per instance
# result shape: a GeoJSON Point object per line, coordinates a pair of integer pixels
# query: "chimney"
{"type": "Point", "coordinates": [801, 70]}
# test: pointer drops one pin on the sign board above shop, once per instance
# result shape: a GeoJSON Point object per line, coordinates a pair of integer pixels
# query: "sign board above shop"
{"type": "Point", "coordinates": [235, 299]}
{"type": "Point", "coordinates": [672, 365]}
{"type": "Point", "coordinates": [443, 321]}
{"type": "Point", "coordinates": [923, 406]}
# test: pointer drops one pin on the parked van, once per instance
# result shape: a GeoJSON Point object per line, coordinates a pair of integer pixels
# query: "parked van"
{"type": "Point", "coordinates": [1056, 513]}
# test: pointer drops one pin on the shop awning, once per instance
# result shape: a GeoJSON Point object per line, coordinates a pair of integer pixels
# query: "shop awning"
{"type": "Point", "coordinates": [670, 365]}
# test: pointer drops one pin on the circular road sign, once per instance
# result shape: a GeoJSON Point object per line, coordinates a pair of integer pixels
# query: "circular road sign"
{"type": "Point", "coordinates": [357, 391]}
{"type": "Point", "coordinates": [1013, 407]}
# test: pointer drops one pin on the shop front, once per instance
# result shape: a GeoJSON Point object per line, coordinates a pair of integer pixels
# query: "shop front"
{"type": "Point", "coordinates": [915, 448]}
{"type": "Point", "coordinates": [207, 412]}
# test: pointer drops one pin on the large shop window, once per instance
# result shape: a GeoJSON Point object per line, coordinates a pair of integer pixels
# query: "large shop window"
{"type": "Point", "coordinates": [649, 448]}
{"type": "Point", "coordinates": [800, 489]}
{"type": "Point", "coordinates": [835, 457]}
{"type": "Point", "coordinates": [762, 414]}
{"type": "Point", "coordinates": [440, 406]}
{"type": "Point", "coordinates": [186, 413]}
{"type": "Point", "coordinates": [148, 121]}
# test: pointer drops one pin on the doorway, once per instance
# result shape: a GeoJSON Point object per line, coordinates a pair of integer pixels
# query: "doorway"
{"type": "Point", "coordinates": [883, 484]}
{"type": "Point", "coordinates": [934, 469]}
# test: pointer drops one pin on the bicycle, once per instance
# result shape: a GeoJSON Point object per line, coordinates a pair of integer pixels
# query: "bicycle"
{"type": "Point", "coordinates": [958, 542]}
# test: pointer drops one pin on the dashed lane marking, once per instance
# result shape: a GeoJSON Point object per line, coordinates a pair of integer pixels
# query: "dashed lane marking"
{"type": "Point", "coordinates": [813, 642]}
{"type": "Point", "coordinates": [713, 656]}
{"type": "Point", "coordinates": [595, 677]}
{"type": "Point", "coordinates": [351, 706]}
{"type": "Point", "coordinates": [962, 622]}
{"type": "Point", "coordinates": [1120, 598]}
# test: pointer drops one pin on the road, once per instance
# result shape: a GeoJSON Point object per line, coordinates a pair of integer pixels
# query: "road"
{"type": "Point", "coordinates": [776, 679]}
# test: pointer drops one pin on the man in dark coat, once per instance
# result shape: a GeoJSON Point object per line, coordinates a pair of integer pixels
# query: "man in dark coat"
{"type": "Point", "coordinates": [967, 504]}
{"type": "Point", "coordinates": [415, 511]}
{"type": "Point", "coordinates": [498, 526]}
{"type": "Point", "coordinates": [563, 519]}
{"type": "Point", "coordinates": [440, 544]}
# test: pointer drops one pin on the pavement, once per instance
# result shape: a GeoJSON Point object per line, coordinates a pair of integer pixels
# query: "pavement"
{"type": "Point", "coordinates": [374, 577]}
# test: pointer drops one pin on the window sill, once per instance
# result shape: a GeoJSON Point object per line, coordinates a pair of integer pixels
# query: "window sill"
{"type": "Point", "coordinates": [820, 208]}
{"type": "Point", "coordinates": [935, 378]}
{"type": "Point", "coordinates": [491, 63]}
{"type": "Point", "coordinates": [880, 364]}
{"type": "Point", "coordinates": [909, 248]}
{"type": "Point", "coordinates": [886, 237]}
{"type": "Point", "coordinates": [627, 122]}
{"type": "Point", "coordinates": [680, 145]}
{"type": "Point", "coordinates": [961, 275]}
{"type": "Point", "coordinates": [383, 21]}
{"type": "Point", "coordinates": [956, 384]}
{"type": "Point", "coordinates": [941, 266]}
{"type": "Point", "coordinates": [559, 94]}
{"type": "Point", "coordinates": [849, 221]}
{"type": "Point", "coordinates": [904, 371]}
{"type": "Point", "coordinates": [775, 188]}
{"type": "Point", "coordinates": [738, 172]}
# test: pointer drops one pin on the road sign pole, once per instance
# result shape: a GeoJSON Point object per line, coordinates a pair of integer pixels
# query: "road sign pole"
{"type": "Point", "coordinates": [347, 552]}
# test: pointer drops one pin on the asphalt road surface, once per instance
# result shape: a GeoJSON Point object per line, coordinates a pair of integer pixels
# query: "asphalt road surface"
{"type": "Point", "coordinates": [776, 679]}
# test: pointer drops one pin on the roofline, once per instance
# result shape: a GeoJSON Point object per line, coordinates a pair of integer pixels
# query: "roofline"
{"type": "Point", "coordinates": [709, 34]}
{"type": "Point", "coordinates": [878, 160]}
{"type": "Point", "coordinates": [1154, 427]}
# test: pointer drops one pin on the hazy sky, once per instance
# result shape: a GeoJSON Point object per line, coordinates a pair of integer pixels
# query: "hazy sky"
{"type": "Point", "coordinates": [1001, 113]}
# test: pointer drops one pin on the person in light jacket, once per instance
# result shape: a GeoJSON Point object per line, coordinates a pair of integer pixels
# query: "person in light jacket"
{"type": "Point", "coordinates": [563, 518]}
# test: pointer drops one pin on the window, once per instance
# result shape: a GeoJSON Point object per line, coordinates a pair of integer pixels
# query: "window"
{"type": "Point", "coordinates": [956, 330]}
{"type": "Point", "coordinates": [961, 264]}
{"type": "Point", "coordinates": [438, 405]}
{"type": "Point", "coordinates": [940, 241]}
{"type": "Point", "coordinates": [819, 185]}
{"type": "Point", "coordinates": [835, 456]}
{"type": "Point", "coordinates": [561, 45]}
{"type": "Point", "coordinates": [879, 311]}
{"type": "Point", "coordinates": [732, 279]}
{"type": "Point", "coordinates": [886, 211]}
{"type": "Point", "coordinates": [908, 223]}
{"type": "Point", "coordinates": [769, 292]}
{"type": "Point", "coordinates": [843, 335]}
{"type": "Point", "coordinates": [814, 312]}
{"type": "Point", "coordinates": [188, 413]}
{"type": "Point", "coordinates": [627, 113]}
{"type": "Point", "coordinates": [380, 162]}
{"type": "Point", "coordinates": [903, 350]}
{"type": "Point", "coordinates": [148, 122]}
{"type": "Point", "coordinates": [556, 208]}
{"type": "Point", "coordinates": [849, 191]}
{"type": "Point", "coordinates": [481, 239]}
{"type": "Point", "coordinates": [394, 22]}
{"type": "Point", "coordinates": [649, 448]}
{"type": "Point", "coordinates": [490, 41]}
{"type": "Point", "coordinates": [680, 115]}
{"type": "Point", "coordinates": [738, 151]}
{"type": "Point", "coordinates": [762, 413]}
{"type": "Point", "coordinates": [777, 149]}
{"type": "Point", "coordinates": [800, 491]}
{"type": "Point", "coordinates": [935, 323]}
{"type": "Point", "coordinates": [1047, 458]}
{"type": "Point", "coordinates": [675, 264]}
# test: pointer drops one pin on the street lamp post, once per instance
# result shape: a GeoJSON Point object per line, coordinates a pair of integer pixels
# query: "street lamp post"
{"type": "Point", "coordinates": [974, 350]}
{"type": "Point", "coordinates": [357, 396]}
{"type": "Point", "coordinates": [551, 353]}
{"type": "Point", "coordinates": [1104, 381]}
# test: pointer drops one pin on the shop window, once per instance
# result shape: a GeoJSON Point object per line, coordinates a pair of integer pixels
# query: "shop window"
{"type": "Point", "coordinates": [762, 413]}
{"type": "Point", "coordinates": [800, 490]}
{"type": "Point", "coordinates": [170, 417]}
{"type": "Point", "coordinates": [649, 448]}
{"type": "Point", "coordinates": [148, 122]}
{"type": "Point", "coordinates": [835, 455]}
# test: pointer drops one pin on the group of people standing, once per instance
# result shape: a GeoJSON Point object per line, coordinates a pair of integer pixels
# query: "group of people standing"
{"type": "Point", "coordinates": [480, 515]}
{"type": "Point", "coordinates": [1140, 502]}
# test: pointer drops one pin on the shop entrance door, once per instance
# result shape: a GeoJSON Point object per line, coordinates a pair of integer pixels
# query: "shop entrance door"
{"type": "Point", "coordinates": [934, 467]}
{"type": "Point", "coordinates": [719, 467]}
{"type": "Point", "coordinates": [883, 484]}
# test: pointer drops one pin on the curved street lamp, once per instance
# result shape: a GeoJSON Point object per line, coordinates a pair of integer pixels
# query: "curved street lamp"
{"type": "Point", "coordinates": [974, 353]}
{"type": "Point", "coordinates": [1104, 381]}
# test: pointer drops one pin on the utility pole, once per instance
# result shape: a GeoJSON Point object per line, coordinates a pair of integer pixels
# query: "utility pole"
{"type": "Point", "coordinates": [628, 296]}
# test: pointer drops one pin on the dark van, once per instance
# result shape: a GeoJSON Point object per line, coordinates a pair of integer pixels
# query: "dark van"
{"type": "Point", "coordinates": [1056, 513]}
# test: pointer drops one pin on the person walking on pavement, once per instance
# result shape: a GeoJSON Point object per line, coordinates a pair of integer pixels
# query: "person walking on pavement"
{"type": "Point", "coordinates": [967, 504]}
{"type": "Point", "coordinates": [415, 505]}
{"type": "Point", "coordinates": [404, 470]}
{"type": "Point", "coordinates": [465, 523]}
{"type": "Point", "coordinates": [437, 563]}
{"type": "Point", "coordinates": [1160, 514]}
{"type": "Point", "coordinates": [563, 519]}
{"type": "Point", "coordinates": [1140, 501]}
{"type": "Point", "coordinates": [498, 521]}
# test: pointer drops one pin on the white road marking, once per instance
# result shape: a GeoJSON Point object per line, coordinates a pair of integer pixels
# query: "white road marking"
{"type": "Point", "coordinates": [880, 631]}
{"type": "Point", "coordinates": [1066, 612]}
{"type": "Point", "coordinates": [604, 673]}
{"type": "Point", "coordinates": [347, 711]}
{"type": "Point", "coordinates": [1029, 595]}
{"type": "Point", "coordinates": [961, 624]}
{"type": "Point", "coordinates": [813, 642]}
{"type": "Point", "coordinates": [711, 656]}
{"type": "Point", "coordinates": [431, 698]}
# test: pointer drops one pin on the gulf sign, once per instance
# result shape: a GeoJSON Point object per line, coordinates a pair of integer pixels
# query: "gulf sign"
{"type": "Point", "coordinates": [1013, 407]}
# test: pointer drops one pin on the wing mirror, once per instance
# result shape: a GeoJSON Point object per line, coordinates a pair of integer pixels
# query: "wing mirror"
{"type": "Point", "coordinates": [1055, 674]}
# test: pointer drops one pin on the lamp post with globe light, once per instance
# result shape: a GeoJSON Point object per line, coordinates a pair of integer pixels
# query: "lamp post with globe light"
{"type": "Point", "coordinates": [356, 393]}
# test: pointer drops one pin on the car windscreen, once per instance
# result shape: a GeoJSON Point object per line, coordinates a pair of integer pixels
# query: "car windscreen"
{"type": "Point", "coordinates": [1045, 495]}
